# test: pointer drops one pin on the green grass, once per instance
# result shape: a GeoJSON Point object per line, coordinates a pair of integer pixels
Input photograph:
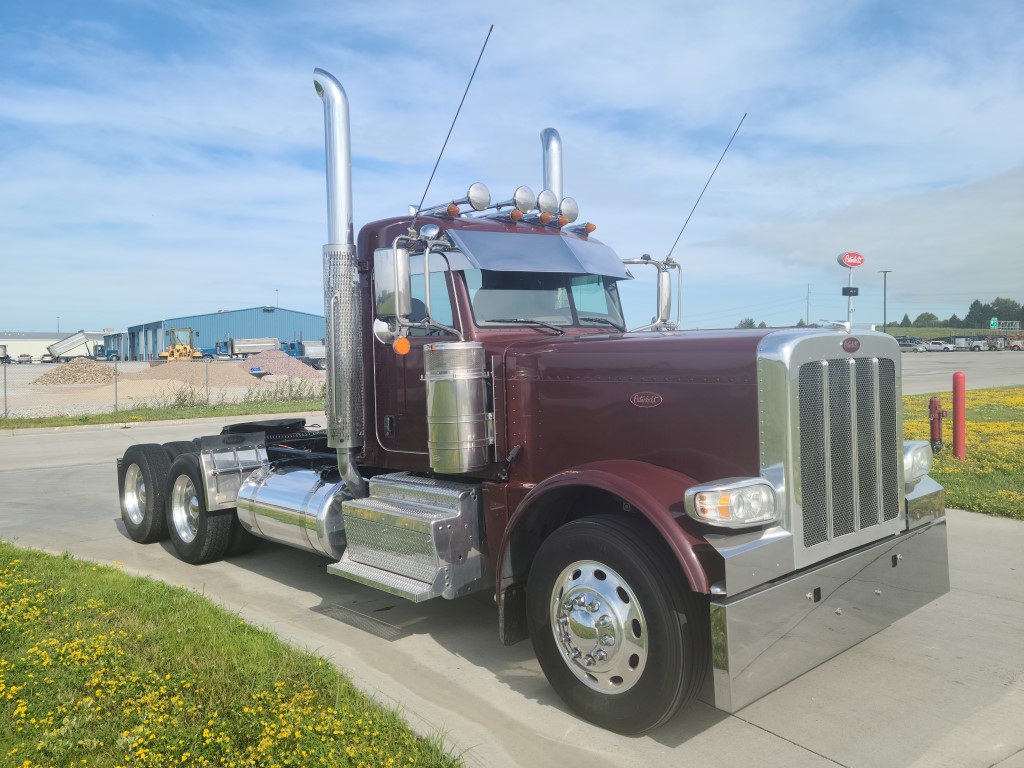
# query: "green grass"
{"type": "Point", "coordinates": [168, 411]}
{"type": "Point", "coordinates": [990, 479]}
{"type": "Point", "coordinates": [100, 669]}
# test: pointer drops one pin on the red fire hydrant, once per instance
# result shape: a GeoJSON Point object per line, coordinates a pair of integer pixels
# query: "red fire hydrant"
{"type": "Point", "coordinates": [935, 416]}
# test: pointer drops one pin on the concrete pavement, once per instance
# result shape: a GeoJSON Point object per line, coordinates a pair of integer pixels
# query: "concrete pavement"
{"type": "Point", "coordinates": [943, 687]}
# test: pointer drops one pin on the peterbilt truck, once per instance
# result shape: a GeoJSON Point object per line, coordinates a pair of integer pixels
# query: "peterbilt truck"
{"type": "Point", "coordinates": [664, 514]}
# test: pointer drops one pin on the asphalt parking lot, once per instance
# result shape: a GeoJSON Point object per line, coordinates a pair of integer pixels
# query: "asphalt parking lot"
{"type": "Point", "coordinates": [926, 372]}
{"type": "Point", "coordinates": [942, 687]}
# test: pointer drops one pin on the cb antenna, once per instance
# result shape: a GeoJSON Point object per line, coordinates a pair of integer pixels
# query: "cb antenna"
{"type": "Point", "coordinates": [706, 186]}
{"type": "Point", "coordinates": [412, 225]}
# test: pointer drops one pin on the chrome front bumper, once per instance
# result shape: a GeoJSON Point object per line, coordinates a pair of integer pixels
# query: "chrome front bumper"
{"type": "Point", "coordinates": [768, 636]}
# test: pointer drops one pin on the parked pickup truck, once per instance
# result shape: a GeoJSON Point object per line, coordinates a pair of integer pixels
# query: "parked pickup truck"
{"type": "Point", "coordinates": [940, 346]}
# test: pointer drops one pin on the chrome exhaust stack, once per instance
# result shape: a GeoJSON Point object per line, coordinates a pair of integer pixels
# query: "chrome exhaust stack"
{"type": "Point", "coordinates": [551, 142]}
{"type": "Point", "coordinates": [342, 305]}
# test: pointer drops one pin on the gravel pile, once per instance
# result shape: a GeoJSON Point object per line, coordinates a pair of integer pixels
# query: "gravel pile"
{"type": "Point", "coordinates": [79, 371]}
{"type": "Point", "coordinates": [278, 363]}
{"type": "Point", "coordinates": [195, 373]}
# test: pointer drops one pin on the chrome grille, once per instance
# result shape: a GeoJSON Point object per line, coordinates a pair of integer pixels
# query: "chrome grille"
{"type": "Point", "coordinates": [848, 446]}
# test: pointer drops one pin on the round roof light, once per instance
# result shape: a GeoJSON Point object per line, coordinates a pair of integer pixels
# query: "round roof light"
{"type": "Point", "coordinates": [478, 196]}
{"type": "Point", "coordinates": [429, 231]}
{"type": "Point", "coordinates": [547, 201]}
{"type": "Point", "coordinates": [569, 209]}
{"type": "Point", "coordinates": [523, 199]}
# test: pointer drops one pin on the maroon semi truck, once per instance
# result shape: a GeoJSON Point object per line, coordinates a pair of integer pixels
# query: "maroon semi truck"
{"type": "Point", "coordinates": [665, 514]}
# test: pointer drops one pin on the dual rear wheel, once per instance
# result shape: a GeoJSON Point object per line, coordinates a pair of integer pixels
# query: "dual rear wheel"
{"type": "Point", "coordinates": [162, 497]}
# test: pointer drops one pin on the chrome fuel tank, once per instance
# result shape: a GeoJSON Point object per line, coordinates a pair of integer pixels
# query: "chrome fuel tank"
{"type": "Point", "coordinates": [457, 418]}
{"type": "Point", "coordinates": [294, 506]}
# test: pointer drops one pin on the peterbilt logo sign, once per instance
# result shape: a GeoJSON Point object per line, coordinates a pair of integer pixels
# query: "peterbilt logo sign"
{"type": "Point", "coordinates": [646, 399]}
{"type": "Point", "coordinates": [850, 259]}
{"type": "Point", "coordinates": [851, 344]}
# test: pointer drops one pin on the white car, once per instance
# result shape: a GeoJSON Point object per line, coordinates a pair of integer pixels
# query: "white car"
{"type": "Point", "coordinates": [940, 346]}
{"type": "Point", "coordinates": [912, 346]}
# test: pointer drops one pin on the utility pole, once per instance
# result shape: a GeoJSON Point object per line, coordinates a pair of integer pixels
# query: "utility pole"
{"type": "Point", "coordinates": [807, 310]}
{"type": "Point", "coordinates": [885, 319]}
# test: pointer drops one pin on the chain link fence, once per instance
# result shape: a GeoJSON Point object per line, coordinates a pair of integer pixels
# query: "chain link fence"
{"type": "Point", "coordinates": [88, 386]}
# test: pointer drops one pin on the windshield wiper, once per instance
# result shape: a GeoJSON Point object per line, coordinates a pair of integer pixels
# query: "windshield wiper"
{"type": "Point", "coordinates": [602, 320]}
{"type": "Point", "coordinates": [527, 321]}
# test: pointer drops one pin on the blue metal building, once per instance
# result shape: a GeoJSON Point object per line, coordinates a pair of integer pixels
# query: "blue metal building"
{"type": "Point", "coordinates": [146, 341]}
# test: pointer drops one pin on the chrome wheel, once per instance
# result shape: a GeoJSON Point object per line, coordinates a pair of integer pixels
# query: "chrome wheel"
{"type": "Point", "coordinates": [184, 508]}
{"type": "Point", "coordinates": [599, 627]}
{"type": "Point", "coordinates": [134, 494]}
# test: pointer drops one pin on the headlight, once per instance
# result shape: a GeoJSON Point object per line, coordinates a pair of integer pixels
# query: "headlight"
{"type": "Point", "coordinates": [735, 502]}
{"type": "Point", "coordinates": [917, 460]}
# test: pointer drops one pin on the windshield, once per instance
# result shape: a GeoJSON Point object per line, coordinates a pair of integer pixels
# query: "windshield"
{"type": "Point", "coordinates": [546, 298]}
{"type": "Point", "coordinates": [180, 336]}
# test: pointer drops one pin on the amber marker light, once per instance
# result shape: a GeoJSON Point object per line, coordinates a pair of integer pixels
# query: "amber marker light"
{"type": "Point", "coordinates": [401, 345]}
{"type": "Point", "coordinates": [516, 215]}
{"type": "Point", "coordinates": [453, 210]}
{"type": "Point", "coordinates": [545, 218]}
{"type": "Point", "coordinates": [561, 221]}
{"type": "Point", "coordinates": [588, 227]}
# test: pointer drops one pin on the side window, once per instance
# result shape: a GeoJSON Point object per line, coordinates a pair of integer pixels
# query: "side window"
{"type": "Point", "coordinates": [440, 303]}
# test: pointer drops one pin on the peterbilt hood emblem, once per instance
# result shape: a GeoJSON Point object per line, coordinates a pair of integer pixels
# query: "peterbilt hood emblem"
{"type": "Point", "coordinates": [850, 344]}
{"type": "Point", "coordinates": [646, 399]}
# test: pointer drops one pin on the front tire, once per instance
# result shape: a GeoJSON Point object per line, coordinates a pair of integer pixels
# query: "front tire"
{"type": "Point", "coordinates": [197, 534]}
{"type": "Point", "coordinates": [141, 480]}
{"type": "Point", "coordinates": [618, 633]}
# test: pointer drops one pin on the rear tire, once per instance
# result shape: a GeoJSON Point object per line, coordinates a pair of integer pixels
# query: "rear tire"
{"type": "Point", "coordinates": [240, 541]}
{"type": "Point", "coordinates": [197, 534]}
{"type": "Point", "coordinates": [618, 633]}
{"type": "Point", "coordinates": [175, 448]}
{"type": "Point", "coordinates": [141, 481]}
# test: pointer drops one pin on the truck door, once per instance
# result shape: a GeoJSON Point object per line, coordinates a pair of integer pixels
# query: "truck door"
{"type": "Point", "coordinates": [399, 391]}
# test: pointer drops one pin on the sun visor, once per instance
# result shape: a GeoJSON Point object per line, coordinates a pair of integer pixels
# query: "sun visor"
{"type": "Point", "coordinates": [508, 252]}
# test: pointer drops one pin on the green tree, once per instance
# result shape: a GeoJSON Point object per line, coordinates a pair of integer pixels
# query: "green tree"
{"type": "Point", "coordinates": [1005, 309]}
{"type": "Point", "coordinates": [747, 322]}
{"type": "Point", "coordinates": [762, 324]}
{"type": "Point", "coordinates": [978, 315]}
{"type": "Point", "coordinates": [926, 320]}
{"type": "Point", "coordinates": [953, 321]}
{"type": "Point", "coordinates": [905, 322]}
{"type": "Point", "coordinates": [800, 323]}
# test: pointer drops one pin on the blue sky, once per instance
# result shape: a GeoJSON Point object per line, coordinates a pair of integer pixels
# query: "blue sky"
{"type": "Point", "coordinates": [166, 158]}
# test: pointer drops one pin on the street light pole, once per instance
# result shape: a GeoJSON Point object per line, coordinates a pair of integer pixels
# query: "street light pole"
{"type": "Point", "coordinates": [277, 297]}
{"type": "Point", "coordinates": [58, 325]}
{"type": "Point", "coordinates": [885, 319]}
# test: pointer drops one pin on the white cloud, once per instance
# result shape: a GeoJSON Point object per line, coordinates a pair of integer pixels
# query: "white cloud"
{"type": "Point", "coordinates": [179, 138]}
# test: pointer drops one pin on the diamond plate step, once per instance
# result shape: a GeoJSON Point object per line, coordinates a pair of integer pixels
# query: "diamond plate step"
{"type": "Point", "coordinates": [386, 581]}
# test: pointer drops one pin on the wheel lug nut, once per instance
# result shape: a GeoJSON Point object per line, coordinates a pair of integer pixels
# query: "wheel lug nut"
{"type": "Point", "coordinates": [600, 655]}
{"type": "Point", "coordinates": [594, 607]}
{"type": "Point", "coordinates": [589, 660]}
{"type": "Point", "coordinates": [607, 640]}
{"type": "Point", "coordinates": [604, 621]}
{"type": "Point", "coordinates": [580, 600]}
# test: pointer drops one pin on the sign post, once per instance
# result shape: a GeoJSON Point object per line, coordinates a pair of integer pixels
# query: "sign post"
{"type": "Point", "coordinates": [850, 260]}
